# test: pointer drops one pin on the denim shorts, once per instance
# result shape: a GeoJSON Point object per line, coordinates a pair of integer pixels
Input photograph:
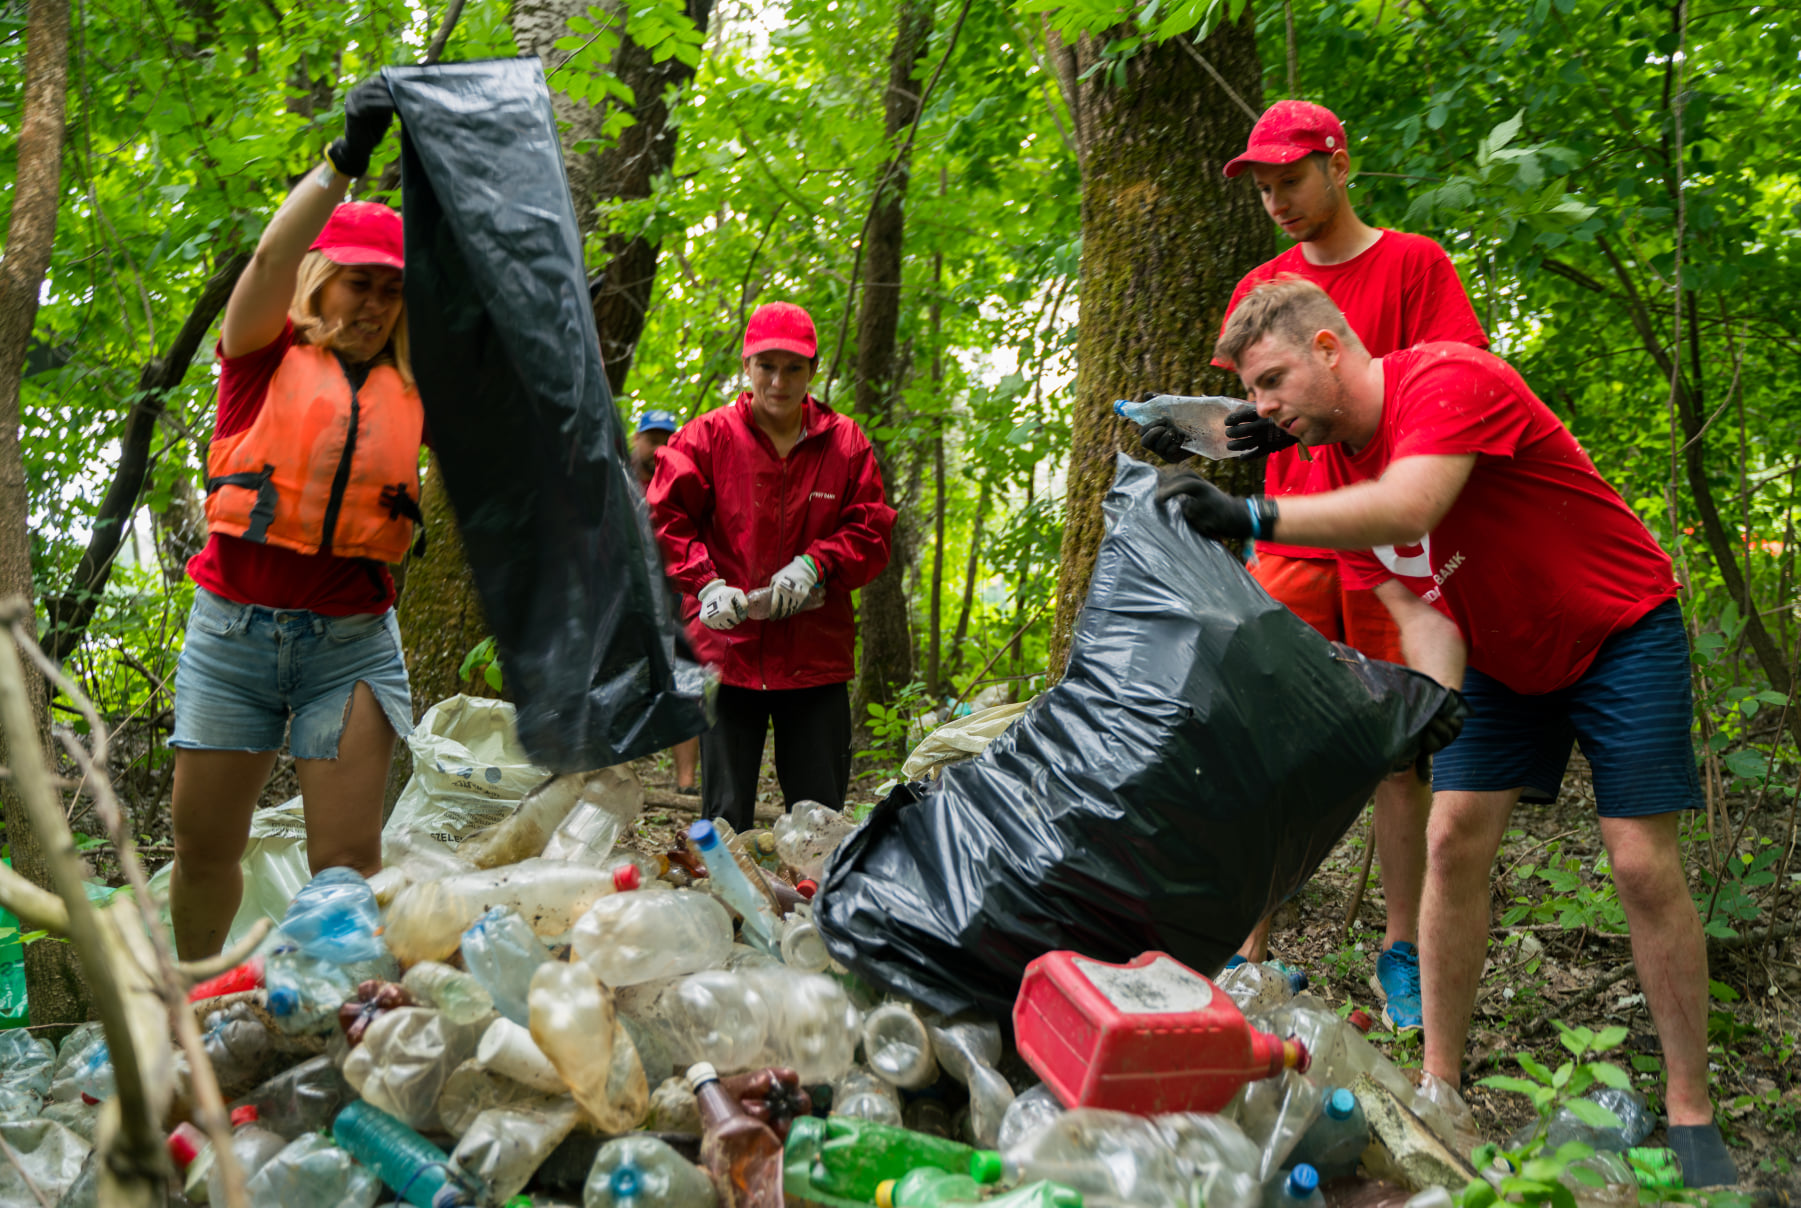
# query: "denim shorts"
{"type": "Point", "coordinates": [1632, 711]}
{"type": "Point", "coordinates": [246, 672]}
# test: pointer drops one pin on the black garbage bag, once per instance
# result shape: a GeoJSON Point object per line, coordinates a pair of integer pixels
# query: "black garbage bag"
{"type": "Point", "coordinates": [523, 423]}
{"type": "Point", "coordinates": [1204, 751]}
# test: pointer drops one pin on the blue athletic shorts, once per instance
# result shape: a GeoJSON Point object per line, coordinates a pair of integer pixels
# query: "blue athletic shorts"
{"type": "Point", "coordinates": [1632, 712]}
{"type": "Point", "coordinates": [246, 671]}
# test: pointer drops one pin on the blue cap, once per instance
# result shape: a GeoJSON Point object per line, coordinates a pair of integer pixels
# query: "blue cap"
{"type": "Point", "coordinates": [626, 1181]}
{"type": "Point", "coordinates": [1340, 1104]}
{"type": "Point", "coordinates": [1120, 405]}
{"type": "Point", "coordinates": [1303, 1181]}
{"type": "Point", "coordinates": [657, 421]}
{"type": "Point", "coordinates": [704, 834]}
{"type": "Point", "coordinates": [282, 1000]}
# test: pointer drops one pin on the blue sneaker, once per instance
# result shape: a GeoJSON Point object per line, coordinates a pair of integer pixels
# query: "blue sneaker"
{"type": "Point", "coordinates": [1397, 980]}
{"type": "Point", "coordinates": [1233, 961]}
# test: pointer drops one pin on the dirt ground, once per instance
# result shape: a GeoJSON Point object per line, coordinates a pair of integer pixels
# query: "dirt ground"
{"type": "Point", "coordinates": [1539, 972]}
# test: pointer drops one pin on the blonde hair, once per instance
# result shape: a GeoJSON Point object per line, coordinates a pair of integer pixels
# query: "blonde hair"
{"type": "Point", "coordinates": [1291, 308]}
{"type": "Point", "coordinates": [309, 328]}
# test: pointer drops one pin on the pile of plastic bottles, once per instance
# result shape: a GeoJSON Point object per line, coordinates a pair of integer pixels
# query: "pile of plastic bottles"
{"type": "Point", "coordinates": [550, 1018]}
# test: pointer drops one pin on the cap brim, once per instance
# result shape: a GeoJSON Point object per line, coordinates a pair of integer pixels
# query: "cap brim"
{"type": "Point", "coordinates": [358, 256]}
{"type": "Point", "coordinates": [795, 346]}
{"type": "Point", "coordinates": [1267, 153]}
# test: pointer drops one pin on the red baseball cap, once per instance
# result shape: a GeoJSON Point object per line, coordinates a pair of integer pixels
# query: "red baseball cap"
{"type": "Point", "coordinates": [363, 232]}
{"type": "Point", "coordinates": [780, 325]}
{"type": "Point", "coordinates": [1287, 131]}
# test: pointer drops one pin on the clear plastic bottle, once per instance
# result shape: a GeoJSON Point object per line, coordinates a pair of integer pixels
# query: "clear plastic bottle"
{"type": "Point", "coordinates": [761, 926]}
{"type": "Point", "coordinates": [969, 1050]}
{"type": "Point", "coordinates": [1258, 988]}
{"type": "Point", "coordinates": [459, 996]}
{"type": "Point", "coordinates": [1334, 1143]}
{"type": "Point", "coordinates": [803, 948]}
{"type": "Point", "coordinates": [72, 1057]}
{"type": "Point", "coordinates": [334, 918]}
{"type": "Point", "coordinates": [238, 1045]}
{"type": "Point", "coordinates": [897, 1047]}
{"type": "Point", "coordinates": [472, 1089]}
{"type": "Point", "coordinates": [714, 1016]}
{"type": "Point", "coordinates": [1275, 1113]}
{"type": "Point", "coordinates": [303, 993]}
{"type": "Point", "coordinates": [95, 1077]}
{"type": "Point", "coordinates": [1030, 1111]}
{"type": "Point", "coordinates": [302, 1099]}
{"type": "Point", "coordinates": [1117, 1160]}
{"type": "Point", "coordinates": [313, 1173]}
{"type": "Point", "coordinates": [428, 918]}
{"type": "Point", "coordinates": [860, 1095]}
{"type": "Point", "coordinates": [504, 1146]}
{"type": "Point", "coordinates": [759, 600]}
{"type": "Point", "coordinates": [575, 1022]}
{"type": "Point", "coordinates": [403, 1061]}
{"type": "Point", "coordinates": [253, 1144]}
{"type": "Point", "coordinates": [642, 937]}
{"type": "Point", "coordinates": [607, 807]}
{"type": "Point", "coordinates": [26, 1062]}
{"type": "Point", "coordinates": [1202, 420]}
{"type": "Point", "coordinates": [644, 1172]}
{"type": "Point", "coordinates": [501, 952]}
{"type": "Point", "coordinates": [411, 1166]}
{"type": "Point", "coordinates": [813, 1027]}
{"type": "Point", "coordinates": [1299, 1188]}
{"type": "Point", "coordinates": [1603, 1180]}
{"type": "Point", "coordinates": [742, 1153]}
{"type": "Point", "coordinates": [808, 834]}
{"type": "Point", "coordinates": [522, 834]}
{"type": "Point", "coordinates": [1439, 1106]}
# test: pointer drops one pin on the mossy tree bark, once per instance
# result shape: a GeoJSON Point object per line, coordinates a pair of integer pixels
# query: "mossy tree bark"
{"type": "Point", "coordinates": [1165, 238]}
{"type": "Point", "coordinates": [886, 664]}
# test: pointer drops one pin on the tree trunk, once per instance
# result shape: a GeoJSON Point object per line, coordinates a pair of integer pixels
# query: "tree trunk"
{"type": "Point", "coordinates": [69, 613]}
{"type": "Point", "coordinates": [52, 977]}
{"type": "Point", "coordinates": [969, 579]}
{"type": "Point", "coordinates": [440, 611]}
{"type": "Point", "coordinates": [625, 172]}
{"type": "Point", "coordinates": [887, 662]}
{"type": "Point", "coordinates": [1165, 238]}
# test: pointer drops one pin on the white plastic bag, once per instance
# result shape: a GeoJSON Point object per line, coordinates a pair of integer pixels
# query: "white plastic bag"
{"type": "Point", "coordinates": [274, 867]}
{"type": "Point", "coordinates": [469, 772]}
{"type": "Point", "coordinates": [964, 738]}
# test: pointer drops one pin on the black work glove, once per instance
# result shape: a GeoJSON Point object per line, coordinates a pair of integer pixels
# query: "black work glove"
{"type": "Point", "coordinates": [1439, 733]}
{"type": "Point", "coordinates": [1251, 434]}
{"type": "Point", "coordinates": [1164, 439]}
{"type": "Point", "coordinates": [1213, 513]}
{"type": "Point", "coordinates": [367, 112]}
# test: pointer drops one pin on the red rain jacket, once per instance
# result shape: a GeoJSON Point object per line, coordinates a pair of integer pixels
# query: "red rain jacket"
{"type": "Point", "coordinates": [726, 507]}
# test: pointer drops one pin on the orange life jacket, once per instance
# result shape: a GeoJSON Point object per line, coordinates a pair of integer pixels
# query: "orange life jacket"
{"type": "Point", "coordinates": [324, 469]}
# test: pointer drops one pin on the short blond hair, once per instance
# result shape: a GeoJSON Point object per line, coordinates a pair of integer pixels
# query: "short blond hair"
{"type": "Point", "coordinates": [1288, 307]}
{"type": "Point", "coordinates": [316, 270]}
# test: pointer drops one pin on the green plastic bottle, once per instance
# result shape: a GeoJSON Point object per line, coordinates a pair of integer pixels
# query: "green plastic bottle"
{"type": "Point", "coordinates": [1656, 1169]}
{"type": "Point", "coordinates": [842, 1160]}
{"type": "Point", "coordinates": [927, 1187]}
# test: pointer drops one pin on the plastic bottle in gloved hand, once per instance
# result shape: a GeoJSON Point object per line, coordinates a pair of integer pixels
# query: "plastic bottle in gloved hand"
{"type": "Point", "coordinates": [1197, 424]}
{"type": "Point", "coordinates": [743, 1154]}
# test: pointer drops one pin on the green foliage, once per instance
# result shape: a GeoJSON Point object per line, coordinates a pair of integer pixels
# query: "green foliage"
{"type": "Point", "coordinates": [483, 658]}
{"type": "Point", "coordinates": [892, 725]}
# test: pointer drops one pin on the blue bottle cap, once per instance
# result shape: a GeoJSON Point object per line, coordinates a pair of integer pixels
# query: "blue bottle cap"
{"type": "Point", "coordinates": [1119, 406]}
{"type": "Point", "coordinates": [704, 834]}
{"type": "Point", "coordinates": [1303, 1181]}
{"type": "Point", "coordinates": [283, 1000]}
{"type": "Point", "coordinates": [1340, 1104]}
{"type": "Point", "coordinates": [625, 1182]}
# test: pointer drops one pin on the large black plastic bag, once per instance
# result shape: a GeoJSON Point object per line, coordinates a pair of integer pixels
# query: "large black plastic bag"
{"type": "Point", "coordinates": [524, 426]}
{"type": "Point", "coordinates": [1204, 751]}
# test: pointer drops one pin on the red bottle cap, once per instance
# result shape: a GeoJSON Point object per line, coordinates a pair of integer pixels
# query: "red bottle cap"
{"type": "Point", "coordinates": [185, 1143]}
{"type": "Point", "coordinates": [806, 888]}
{"type": "Point", "coordinates": [1360, 1019]}
{"type": "Point", "coordinates": [626, 877]}
{"type": "Point", "coordinates": [241, 1116]}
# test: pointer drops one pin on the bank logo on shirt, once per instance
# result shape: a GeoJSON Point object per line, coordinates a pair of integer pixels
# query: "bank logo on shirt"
{"type": "Point", "coordinates": [1408, 565]}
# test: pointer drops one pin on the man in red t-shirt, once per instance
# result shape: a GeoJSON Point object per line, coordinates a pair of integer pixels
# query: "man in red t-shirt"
{"type": "Point", "coordinates": [1516, 573]}
{"type": "Point", "coordinates": [1396, 290]}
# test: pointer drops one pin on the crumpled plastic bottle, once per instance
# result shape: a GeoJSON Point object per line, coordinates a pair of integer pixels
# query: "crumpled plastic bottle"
{"type": "Point", "coordinates": [716, 1016]}
{"type": "Point", "coordinates": [1441, 1109]}
{"type": "Point", "coordinates": [237, 1044]}
{"type": "Point", "coordinates": [1636, 1123]}
{"type": "Point", "coordinates": [1259, 988]}
{"type": "Point", "coordinates": [644, 1172]}
{"type": "Point", "coordinates": [643, 937]}
{"type": "Point", "coordinates": [808, 834]}
{"type": "Point", "coordinates": [607, 807]}
{"type": "Point", "coordinates": [813, 1027]}
{"type": "Point", "coordinates": [304, 993]}
{"type": "Point", "coordinates": [1031, 1110]}
{"type": "Point", "coordinates": [1118, 1160]}
{"type": "Point", "coordinates": [50, 1155]}
{"type": "Point", "coordinates": [504, 1146]}
{"type": "Point", "coordinates": [72, 1058]}
{"type": "Point", "coordinates": [969, 1050]}
{"type": "Point", "coordinates": [313, 1173]}
{"type": "Point", "coordinates": [26, 1062]}
{"type": "Point", "coordinates": [458, 995]}
{"type": "Point", "coordinates": [428, 918]}
{"type": "Point", "coordinates": [471, 1090]}
{"type": "Point", "coordinates": [334, 918]}
{"type": "Point", "coordinates": [501, 952]}
{"type": "Point", "coordinates": [302, 1099]}
{"type": "Point", "coordinates": [403, 1061]}
{"type": "Point", "coordinates": [1604, 1180]}
{"type": "Point", "coordinates": [575, 1022]}
{"type": "Point", "coordinates": [254, 1146]}
{"type": "Point", "coordinates": [1275, 1113]}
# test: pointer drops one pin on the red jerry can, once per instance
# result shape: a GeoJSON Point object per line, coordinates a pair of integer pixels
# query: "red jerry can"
{"type": "Point", "coordinates": [1151, 1036]}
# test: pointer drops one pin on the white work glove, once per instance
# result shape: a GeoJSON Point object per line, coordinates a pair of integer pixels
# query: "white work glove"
{"type": "Point", "coordinates": [721, 605]}
{"type": "Point", "coordinates": [790, 586]}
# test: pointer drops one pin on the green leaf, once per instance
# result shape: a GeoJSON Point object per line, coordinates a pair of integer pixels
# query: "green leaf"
{"type": "Point", "coordinates": [1721, 992]}
{"type": "Point", "coordinates": [1609, 1074]}
{"type": "Point", "coordinates": [1609, 1038]}
{"type": "Point", "coordinates": [1502, 1082]}
{"type": "Point", "coordinates": [1531, 1065]}
{"type": "Point", "coordinates": [1592, 1113]}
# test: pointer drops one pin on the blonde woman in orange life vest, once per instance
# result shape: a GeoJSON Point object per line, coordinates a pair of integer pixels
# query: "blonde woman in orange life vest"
{"type": "Point", "coordinates": [312, 483]}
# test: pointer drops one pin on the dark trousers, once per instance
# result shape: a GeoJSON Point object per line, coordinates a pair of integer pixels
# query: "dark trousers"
{"type": "Point", "coordinates": [812, 749]}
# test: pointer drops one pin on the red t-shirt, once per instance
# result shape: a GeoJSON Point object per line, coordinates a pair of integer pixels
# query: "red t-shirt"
{"type": "Point", "coordinates": [1400, 291]}
{"type": "Point", "coordinates": [1538, 561]}
{"type": "Point", "coordinates": [249, 572]}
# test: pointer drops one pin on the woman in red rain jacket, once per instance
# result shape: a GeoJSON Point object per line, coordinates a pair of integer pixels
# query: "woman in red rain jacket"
{"type": "Point", "coordinates": [775, 490]}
